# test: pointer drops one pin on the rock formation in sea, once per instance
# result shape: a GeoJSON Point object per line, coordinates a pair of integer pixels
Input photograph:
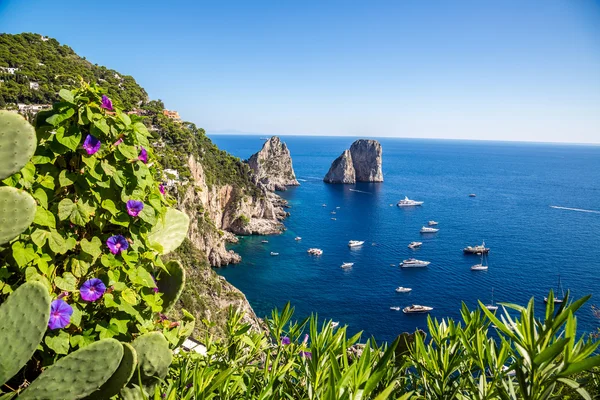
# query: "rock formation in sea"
{"type": "Point", "coordinates": [362, 163]}
{"type": "Point", "coordinates": [272, 166]}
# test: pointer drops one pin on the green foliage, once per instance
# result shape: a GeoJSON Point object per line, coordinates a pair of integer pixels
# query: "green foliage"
{"type": "Point", "coordinates": [171, 283]}
{"type": "Point", "coordinates": [23, 321]}
{"type": "Point", "coordinates": [154, 359]}
{"type": "Point", "coordinates": [17, 212]}
{"type": "Point", "coordinates": [17, 143]}
{"type": "Point", "coordinates": [54, 67]}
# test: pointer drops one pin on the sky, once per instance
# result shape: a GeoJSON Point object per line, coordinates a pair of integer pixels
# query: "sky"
{"type": "Point", "coordinates": [489, 70]}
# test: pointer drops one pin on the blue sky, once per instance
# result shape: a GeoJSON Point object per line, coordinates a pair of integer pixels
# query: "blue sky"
{"type": "Point", "coordinates": [498, 70]}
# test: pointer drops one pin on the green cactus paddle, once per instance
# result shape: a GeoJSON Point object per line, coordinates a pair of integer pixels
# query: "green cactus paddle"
{"type": "Point", "coordinates": [122, 375]}
{"type": "Point", "coordinates": [171, 284]}
{"type": "Point", "coordinates": [23, 321]}
{"type": "Point", "coordinates": [17, 211]}
{"type": "Point", "coordinates": [154, 358]}
{"type": "Point", "coordinates": [169, 232]}
{"type": "Point", "coordinates": [17, 143]}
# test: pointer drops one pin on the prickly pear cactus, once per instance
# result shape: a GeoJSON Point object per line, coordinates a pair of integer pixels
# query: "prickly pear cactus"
{"type": "Point", "coordinates": [78, 374]}
{"type": "Point", "coordinates": [122, 375]}
{"type": "Point", "coordinates": [17, 143]}
{"type": "Point", "coordinates": [17, 211]}
{"type": "Point", "coordinates": [170, 232]}
{"type": "Point", "coordinates": [154, 358]}
{"type": "Point", "coordinates": [171, 284]}
{"type": "Point", "coordinates": [23, 322]}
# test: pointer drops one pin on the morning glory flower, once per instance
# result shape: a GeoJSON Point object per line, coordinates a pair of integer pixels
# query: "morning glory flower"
{"type": "Point", "coordinates": [60, 314]}
{"type": "Point", "coordinates": [118, 142]}
{"type": "Point", "coordinates": [134, 207]}
{"type": "Point", "coordinates": [91, 144]}
{"type": "Point", "coordinates": [143, 157]}
{"type": "Point", "coordinates": [306, 354]}
{"type": "Point", "coordinates": [161, 188]}
{"type": "Point", "coordinates": [106, 103]}
{"type": "Point", "coordinates": [285, 340]}
{"type": "Point", "coordinates": [305, 339]}
{"type": "Point", "coordinates": [117, 244]}
{"type": "Point", "coordinates": [92, 289]}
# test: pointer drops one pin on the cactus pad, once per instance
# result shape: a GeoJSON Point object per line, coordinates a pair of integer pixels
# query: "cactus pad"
{"type": "Point", "coordinates": [17, 211]}
{"type": "Point", "coordinates": [154, 357]}
{"type": "Point", "coordinates": [169, 232]}
{"type": "Point", "coordinates": [171, 284]}
{"type": "Point", "coordinates": [23, 322]}
{"type": "Point", "coordinates": [78, 374]}
{"type": "Point", "coordinates": [122, 375]}
{"type": "Point", "coordinates": [17, 142]}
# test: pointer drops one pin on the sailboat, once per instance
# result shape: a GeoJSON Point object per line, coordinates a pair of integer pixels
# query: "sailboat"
{"type": "Point", "coordinates": [481, 266]}
{"type": "Point", "coordinates": [492, 306]}
{"type": "Point", "coordinates": [562, 291]}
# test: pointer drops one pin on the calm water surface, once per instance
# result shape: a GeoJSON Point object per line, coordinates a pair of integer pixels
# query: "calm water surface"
{"type": "Point", "coordinates": [531, 243]}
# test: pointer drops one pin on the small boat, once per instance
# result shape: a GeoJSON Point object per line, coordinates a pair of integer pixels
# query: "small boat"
{"type": "Point", "coordinates": [492, 306]}
{"type": "Point", "coordinates": [324, 205]}
{"type": "Point", "coordinates": [333, 212]}
{"type": "Point", "coordinates": [480, 249]}
{"type": "Point", "coordinates": [432, 223]}
{"type": "Point", "coordinates": [403, 289]}
{"type": "Point", "coordinates": [264, 241]}
{"type": "Point", "coordinates": [347, 265]}
{"type": "Point", "coordinates": [415, 245]}
{"type": "Point", "coordinates": [416, 309]}
{"type": "Point", "coordinates": [337, 208]}
{"type": "Point", "coordinates": [408, 202]}
{"type": "Point", "coordinates": [274, 254]}
{"type": "Point", "coordinates": [472, 195]}
{"type": "Point", "coordinates": [482, 266]}
{"type": "Point", "coordinates": [297, 238]}
{"type": "Point", "coordinates": [428, 230]}
{"type": "Point", "coordinates": [334, 324]}
{"type": "Point", "coordinates": [558, 300]}
{"type": "Point", "coordinates": [395, 308]}
{"type": "Point", "coordinates": [356, 243]}
{"type": "Point", "coordinates": [334, 219]}
{"type": "Point", "coordinates": [315, 251]}
{"type": "Point", "coordinates": [414, 263]}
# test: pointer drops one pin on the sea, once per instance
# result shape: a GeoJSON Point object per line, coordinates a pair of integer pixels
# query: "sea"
{"type": "Point", "coordinates": [537, 207]}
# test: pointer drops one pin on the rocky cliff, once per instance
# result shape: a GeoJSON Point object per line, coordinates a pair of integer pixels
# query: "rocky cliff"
{"type": "Point", "coordinates": [272, 166]}
{"type": "Point", "coordinates": [342, 170]}
{"type": "Point", "coordinates": [362, 163]}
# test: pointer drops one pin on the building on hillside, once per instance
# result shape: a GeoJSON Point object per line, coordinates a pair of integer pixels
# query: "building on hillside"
{"type": "Point", "coordinates": [171, 177]}
{"type": "Point", "coordinates": [9, 70]}
{"type": "Point", "coordinates": [139, 112]}
{"type": "Point", "coordinates": [32, 108]}
{"type": "Point", "coordinates": [34, 86]}
{"type": "Point", "coordinates": [44, 38]}
{"type": "Point", "coordinates": [174, 115]}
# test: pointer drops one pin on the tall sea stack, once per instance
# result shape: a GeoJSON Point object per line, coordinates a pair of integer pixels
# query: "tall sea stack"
{"type": "Point", "coordinates": [272, 166]}
{"type": "Point", "coordinates": [362, 163]}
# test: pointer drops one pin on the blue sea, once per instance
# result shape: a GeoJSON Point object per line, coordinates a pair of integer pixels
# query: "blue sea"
{"type": "Point", "coordinates": [516, 184]}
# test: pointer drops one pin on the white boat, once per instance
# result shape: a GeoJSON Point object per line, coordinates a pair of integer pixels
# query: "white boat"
{"type": "Point", "coordinates": [492, 306]}
{"type": "Point", "coordinates": [472, 195]}
{"type": "Point", "coordinates": [356, 243]}
{"type": "Point", "coordinates": [432, 223]}
{"type": "Point", "coordinates": [482, 266]}
{"type": "Point", "coordinates": [337, 208]}
{"type": "Point", "coordinates": [274, 254]}
{"type": "Point", "coordinates": [315, 251]}
{"type": "Point", "coordinates": [334, 219]}
{"type": "Point", "coordinates": [347, 265]}
{"type": "Point", "coordinates": [324, 205]}
{"type": "Point", "coordinates": [414, 245]}
{"type": "Point", "coordinates": [395, 308]}
{"type": "Point", "coordinates": [426, 229]}
{"type": "Point", "coordinates": [414, 263]}
{"type": "Point", "coordinates": [403, 289]}
{"type": "Point", "coordinates": [334, 324]}
{"type": "Point", "coordinates": [264, 241]}
{"type": "Point", "coordinates": [298, 238]}
{"type": "Point", "coordinates": [416, 309]}
{"type": "Point", "coordinates": [408, 202]}
{"type": "Point", "coordinates": [558, 300]}
{"type": "Point", "coordinates": [333, 212]}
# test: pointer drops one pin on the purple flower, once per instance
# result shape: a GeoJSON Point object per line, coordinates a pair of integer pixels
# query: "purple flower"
{"type": "Point", "coordinates": [60, 314]}
{"type": "Point", "coordinates": [155, 288]}
{"type": "Point", "coordinates": [117, 244]}
{"type": "Point", "coordinates": [134, 207]}
{"type": "Point", "coordinates": [161, 188]}
{"type": "Point", "coordinates": [118, 142]}
{"type": "Point", "coordinates": [92, 289]}
{"type": "Point", "coordinates": [106, 103]}
{"type": "Point", "coordinates": [143, 157]}
{"type": "Point", "coordinates": [306, 354]}
{"type": "Point", "coordinates": [285, 340]}
{"type": "Point", "coordinates": [91, 144]}
{"type": "Point", "coordinates": [305, 339]}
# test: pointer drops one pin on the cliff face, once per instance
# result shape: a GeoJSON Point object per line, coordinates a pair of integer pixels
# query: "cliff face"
{"type": "Point", "coordinates": [341, 170]}
{"type": "Point", "coordinates": [362, 163]}
{"type": "Point", "coordinates": [272, 166]}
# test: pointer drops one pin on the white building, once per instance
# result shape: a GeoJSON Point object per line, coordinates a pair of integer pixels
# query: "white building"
{"type": "Point", "coordinates": [34, 85]}
{"type": "Point", "coordinates": [44, 38]}
{"type": "Point", "coordinates": [171, 177]}
{"type": "Point", "coordinates": [32, 108]}
{"type": "Point", "coordinates": [9, 70]}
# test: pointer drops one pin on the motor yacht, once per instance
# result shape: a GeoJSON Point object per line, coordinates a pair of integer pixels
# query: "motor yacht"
{"type": "Point", "coordinates": [334, 324]}
{"type": "Point", "coordinates": [472, 195]}
{"type": "Point", "coordinates": [414, 263]}
{"type": "Point", "coordinates": [432, 223]}
{"type": "Point", "coordinates": [415, 245]}
{"type": "Point", "coordinates": [315, 251]}
{"type": "Point", "coordinates": [356, 243]}
{"type": "Point", "coordinates": [416, 309]}
{"type": "Point", "coordinates": [347, 265]}
{"type": "Point", "coordinates": [264, 241]}
{"type": "Point", "coordinates": [403, 289]}
{"type": "Point", "coordinates": [274, 254]}
{"type": "Point", "coordinates": [480, 249]}
{"type": "Point", "coordinates": [406, 202]}
{"type": "Point", "coordinates": [426, 229]}
{"type": "Point", "coordinates": [298, 238]}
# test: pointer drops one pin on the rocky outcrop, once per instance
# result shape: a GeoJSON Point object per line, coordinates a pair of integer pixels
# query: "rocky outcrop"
{"type": "Point", "coordinates": [342, 170]}
{"type": "Point", "coordinates": [272, 166]}
{"type": "Point", "coordinates": [367, 159]}
{"type": "Point", "coordinates": [362, 163]}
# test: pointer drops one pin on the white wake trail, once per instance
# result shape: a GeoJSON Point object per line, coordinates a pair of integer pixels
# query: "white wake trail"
{"type": "Point", "coordinates": [359, 191]}
{"type": "Point", "coordinates": [576, 209]}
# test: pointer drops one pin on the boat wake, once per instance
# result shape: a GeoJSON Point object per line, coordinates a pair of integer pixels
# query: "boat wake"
{"type": "Point", "coordinates": [359, 191]}
{"type": "Point", "coordinates": [576, 209]}
{"type": "Point", "coordinates": [302, 180]}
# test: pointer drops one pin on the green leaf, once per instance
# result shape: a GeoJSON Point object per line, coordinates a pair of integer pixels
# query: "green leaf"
{"type": "Point", "coordinates": [40, 195]}
{"type": "Point", "coordinates": [66, 178]}
{"type": "Point", "coordinates": [79, 267]}
{"type": "Point", "coordinates": [147, 215]}
{"type": "Point", "coordinates": [102, 126]}
{"type": "Point", "coordinates": [129, 296]}
{"type": "Point", "coordinates": [56, 119]}
{"type": "Point", "coordinates": [71, 138]}
{"type": "Point", "coordinates": [93, 247]}
{"type": "Point", "coordinates": [65, 208]}
{"type": "Point", "coordinates": [22, 254]}
{"type": "Point", "coordinates": [66, 282]}
{"type": "Point", "coordinates": [584, 365]}
{"type": "Point", "coordinates": [60, 343]}
{"type": "Point", "coordinates": [44, 217]}
{"type": "Point", "coordinates": [129, 152]}
{"type": "Point", "coordinates": [56, 242]}
{"type": "Point", "coordinates": [110, 206]}
{"type": "Point", "coordinates": [39, 237]}
{"type": "Point", "coordinates": [143, 278]}
{"type": "Point", "coordinates": [67, 95]}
